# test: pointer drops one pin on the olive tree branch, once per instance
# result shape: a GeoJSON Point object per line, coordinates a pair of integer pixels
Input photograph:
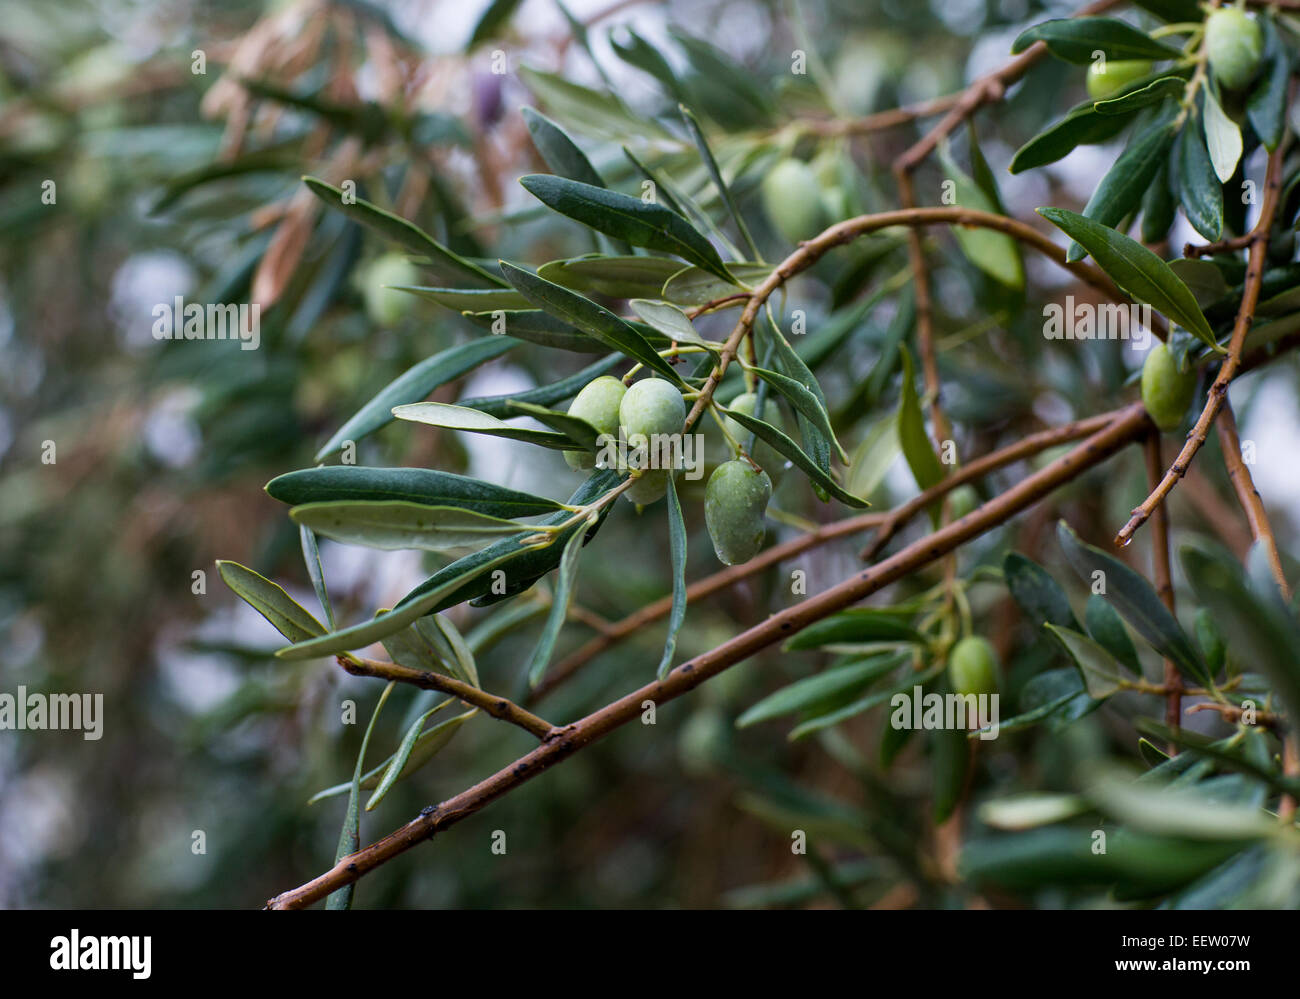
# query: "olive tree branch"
{"type": "Point", "coordinates": [497, 707]}
{"type": "Point", "coordinates": [1130, 424]}
{"type": "Point", "coordinates": [1228, 369]}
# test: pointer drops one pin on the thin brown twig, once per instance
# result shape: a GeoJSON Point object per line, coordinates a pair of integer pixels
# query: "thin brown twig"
{"type": "Point", "coordinates": [1164, 584]}
{"type": "Point", "coordinates": [497, 707]}
{"type": "Point", "coordinates": [1247, 495]}
{"type": "Point", "coordinates": [1228, 369]}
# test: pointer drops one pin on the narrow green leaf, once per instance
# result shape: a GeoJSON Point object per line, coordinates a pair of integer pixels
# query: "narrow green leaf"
{"type": "Point", "coordinates": [1083, 125]}
{"type": "Point", "coordinates": [857, 625]}
{"type": "Point", "coordinates": [706, 154]}
{"type": "Point", "coordinates": [677, 550]}
{"type": "Point", "coordinates": [1134, 100]}
{"type": "Point", "coordinates": [873, 457]}
{"type": "Point", "coordinates": [813, 690]}
{"type": "Point", "coordinates": [692, 287]}
{"type": "Point", "coordinates": [430, 487]}
{"type": "Point", "coordinates": [413, 385]}
{"type": "Point", "coordinates": [1075, 39]}
{"type": "Point", "coordinates": [995, 253]}
{"type": "Point", "coordinates": [393, 526]}
{"type": "Point", "coordinates": [1266, 106]}
{"type": "Point", "coordinates": [585, 314]}
{"type": "Point", "coordinates": [289, 617]}
{"type": "Point", "coordinates": [1098, 667]}
{"type": "Point", "coordinates": [915, 442]}
{"type": "Point", "coordinates": [537, 327]}
{"type": "Point", "coordinates": [1037, 593]}
{"type": "Point", "coordinates": [445, 264]}
{"type": "Point", "coordinates": [613, 277]}
{"type": "Point", "coordinates": [560, 152]}
{"type": "Point", "coordinates": [1222, 139]}
{"type": "Point", "coordinates": [363, 634]}
{"type": "Point", "coordinates": [673, 323]}
{"type": "Point", "coordinates": [1137, 602]}
{"type": "Point", "coordinates": [1137, 270]}
{"type": "Point", "coordinates": [474, 421]}
{"type": "Point", "coordinates": [1107, 629]}
{"type": "Point", "coordinates": [468, 299]}
{"type": "Point", "coordinates": [650, 226]}
{"type": "Point", "coordinates": [350, 835]}
{"type": "Point", "coordinates": [316, 572]}
{"type": "Point", "coordinates": [442, 634]}
{"type": "Point", "coordinates": [1199, 189]}
{"type": "Point", "coordinates": [588, 111]}
{"type": "Point", "coordinates": [866, 703]}
{"type": "Point", "coordinates": [1120, 191]}
{"type": "Point", "coordinates": [544, 395]}
{"type": "Point", "coordinates": [563, 593]}
{"type": "Point", "coordinates": [804, 402]}
{"type": "Point", "coordinates": [575, 428]}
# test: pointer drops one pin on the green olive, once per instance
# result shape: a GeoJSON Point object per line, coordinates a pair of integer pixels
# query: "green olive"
{"type": "Point", "coordinates": [735, 502]}
{"type": "Point", "coordinates": [1235, 46]}
{"type": "Point", "coordinates": [1166, 391]}
{"type": "Point", "coordinates": [651, 411]}
{"type": "Point", "coordinates": [648, 487]}
{"type": "Point", "coordinates": [384, 305]}
{"type": "Point", "coordinates": [792, 198]}
{"type": "Point", "coordinates": [1107, 77]}
{"type": "Point", "coordinates": [768, 459]}
{"type": "Point", "coordinates": [598, 404]}
{"type": "Point", "coordinates": [973, 666]}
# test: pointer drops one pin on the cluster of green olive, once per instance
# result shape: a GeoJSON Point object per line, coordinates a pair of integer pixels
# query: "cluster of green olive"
{"type": "Point", "coordinates": [802, 199]}
{"type": "Point", "coordinates": [1234, 48]}
{"type": "Point", "coordinates": [641, 418]}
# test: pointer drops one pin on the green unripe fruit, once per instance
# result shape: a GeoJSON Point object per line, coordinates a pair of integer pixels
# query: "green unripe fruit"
{"type": "Point", "coordinates": [652, 408]}
{"type": "Point", "coordinates": [764, 456]}
{"type": "Point", "coordinates": [598, 404]}
{"type": "Point", "coordinates": [648, 487]}
{"type": "Point", "coordinates": [1109, 76]}
{"type": "Point", "coordinates": [792, 200]}
{"type": "Point", "coordinates": [1166, 391]}
{"type": "Point", "coordinates": [384, 305]}
{"type": "Point", "coordinates": [973, 667]}
{"type": "Point", "coordinates": [735, 501]}
{"type": "Point", "coordinates": [1235, 46]}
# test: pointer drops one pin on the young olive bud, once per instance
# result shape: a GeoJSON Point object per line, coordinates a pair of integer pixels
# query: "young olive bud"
{"type": "Point", "coordinates": [735, 502]}
{"type": "Point", "coordinates": [792, 199]}
{"type": "Point", "coordinates": [598, 404]}
{"type": "Point", "coordinates": [1166, 391]}
{"type": "Point", "coordinates": [1109, 76]}
{"type": "Point", "coordinates": [1234, 44]}
{"type": "Point", "coordinates": [973, 666]}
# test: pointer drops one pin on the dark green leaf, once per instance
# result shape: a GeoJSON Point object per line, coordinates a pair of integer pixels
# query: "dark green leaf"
{"type": "Point", "coordinates": [650, 226]}
{"type": "Point", "coordinates": [474, 421]}
{"type": "Point", "coordinates": [559, 612]}
{"type": "Point", "coordinates": [445, 264]}
{"type": "Point", "coordinates": [585, 314]}
{"type": "Point", "coordinates": [338, 483]}
{"type": "Point", "coordinates": [350, 834]}
{"type": "Point", "coordinates": [1137, 270]}
{"type": "Point", "coordinates": [614, 277]}
{"type": "Point", "coordinates": [537, 327]}
{"type": "Point", "coordinates": [559, 151]}
{"type": "Point", "coordinates": [1075, 39]}
{"type": "Point", "coordinates": [545, 395]}
{"type": "Point", "coordinates": [1121, 190]}
{"type": "Point", "coordinates": [1134, 100]}
{"type": "Point", "coordinates": [1199, 188]}
{"type": "Point", "coordinates": [1266, 106]}
{"type": "Point", "coordinates": [394, 526]}
{"type": "Point", "coordinates": [1107, 629]}
{"type": "Point", "coordinates": [1097, 667]}
{"type": "Point", "coordinates": [915, 442]}
{"type": "Point", "coordinates": [677, 549]}
{"type": "Point", "coordinates": [1137, 602]}
{"type": "Point", "coordinates": [1037, 593]}
{"type": "Point", "coordinates": [854, 626]}
{"type": "Point", "coordinates": [494, 18]}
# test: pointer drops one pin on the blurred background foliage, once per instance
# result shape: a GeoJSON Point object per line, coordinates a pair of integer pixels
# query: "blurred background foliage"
{"type": "Point", "coordinates": [176, 135]}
